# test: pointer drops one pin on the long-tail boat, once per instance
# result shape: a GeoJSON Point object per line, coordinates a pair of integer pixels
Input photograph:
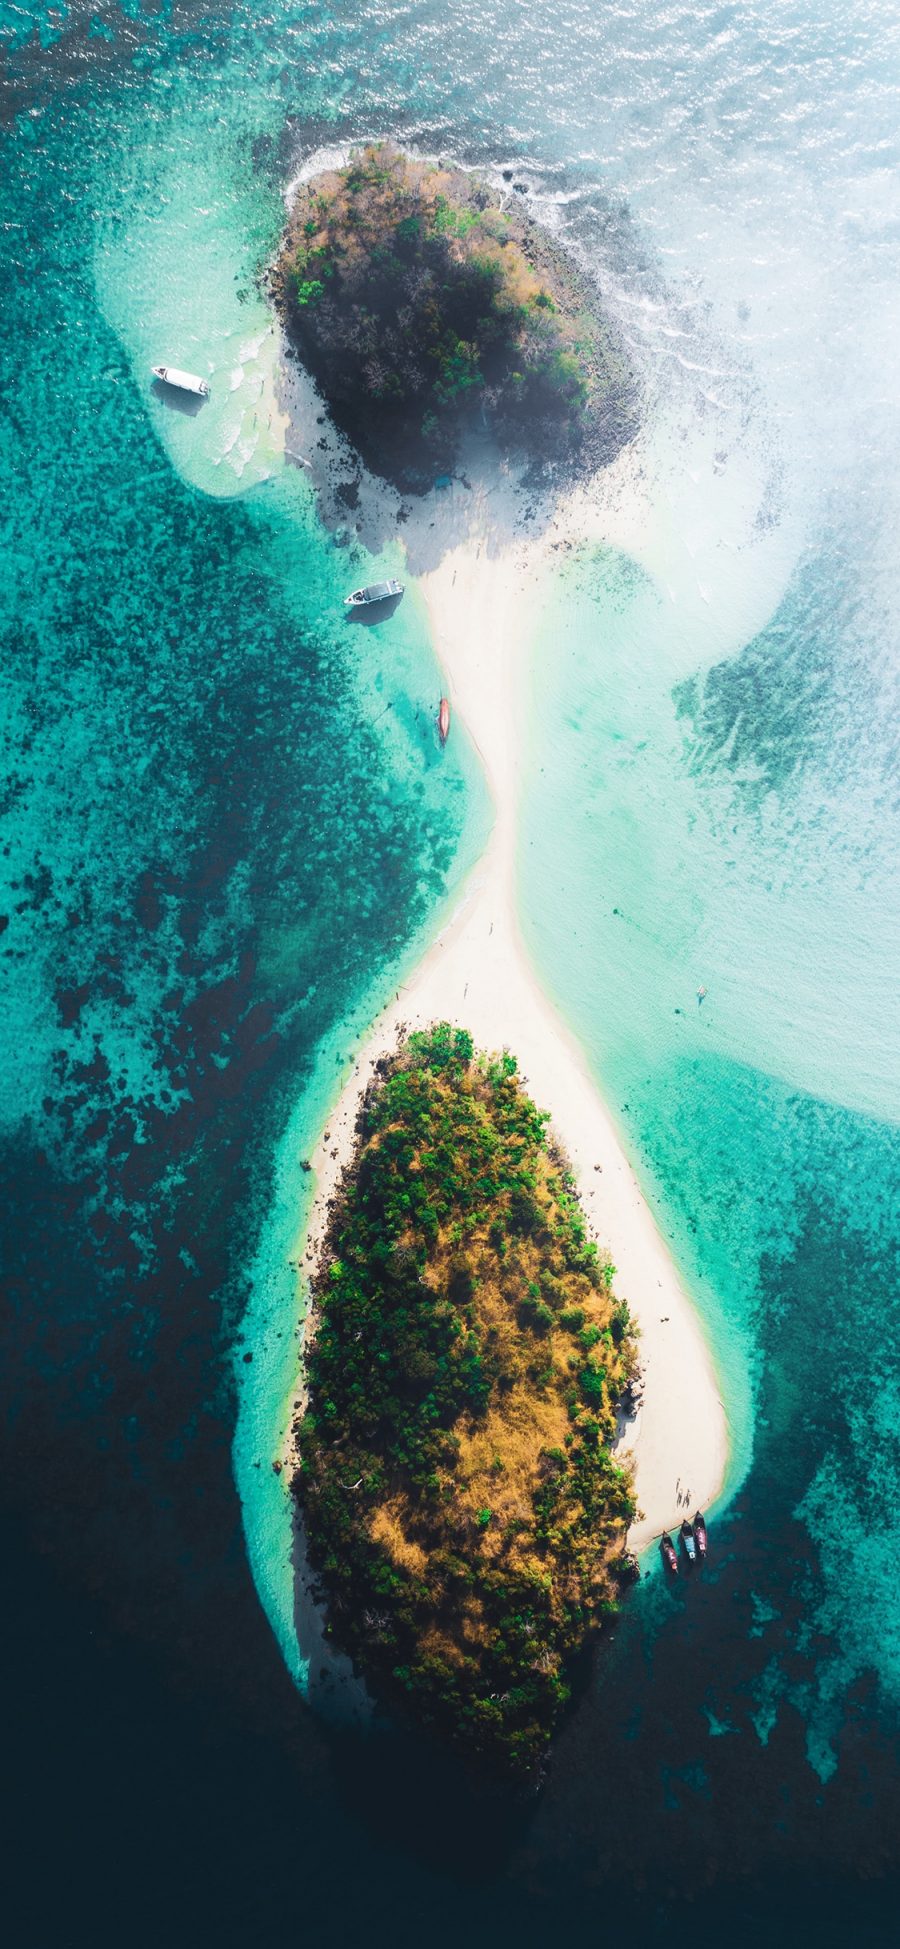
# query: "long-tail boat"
{"type": "Point", "coordinates": [669, 1553]}
{"type": "Point", "coordinates": [688, 1541]}
{"type": "Point", "coordinates": [700, 1534]}
{"type": "Point", "coordinates": [444, 719]}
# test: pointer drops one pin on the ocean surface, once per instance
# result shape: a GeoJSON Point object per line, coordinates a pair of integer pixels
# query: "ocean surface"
{"type": "Point", "coordinates": [227, 830]}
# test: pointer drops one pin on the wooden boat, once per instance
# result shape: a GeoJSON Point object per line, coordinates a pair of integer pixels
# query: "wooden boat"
{"type": "Point", "coordinates": [186, 382]}
{"type": "Point", "coordinates": [668, 1553]}
{"type": "Point", "coordinates": [688, 1540]}
{"type": "Point", "coordinates": [700, 1534]}
{"type": "Point", "coordinates": [444, 719]}
{"type": "Point", "coordinates": [373, 592]}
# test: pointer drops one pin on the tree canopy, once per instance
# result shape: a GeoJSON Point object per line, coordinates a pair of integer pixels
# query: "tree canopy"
{"type": "Point", "coordinates": [465, 1513]}
{"type": "Point", "coordinates": [418, 305]}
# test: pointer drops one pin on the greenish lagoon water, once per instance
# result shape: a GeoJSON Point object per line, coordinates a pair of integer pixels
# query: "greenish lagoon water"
{"type": "Point", "coordinates": [227, 828]}
{"type": "Point", "coordinates": [654, 821]}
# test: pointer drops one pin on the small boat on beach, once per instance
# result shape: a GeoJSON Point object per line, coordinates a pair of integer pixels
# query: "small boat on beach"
{"type": "Point", "coordinates": [373, 592]}
{"type": "Point", "coordinates": [689, 1541]}
{"type": "Point", "coordinates": [700, 1534]}
{"type": "Point", "coordinates": [444, 720]}
{"type": "Point", "coordinates": [668, 1553]}
{"type": "Point", "coordinates": [186, 382]}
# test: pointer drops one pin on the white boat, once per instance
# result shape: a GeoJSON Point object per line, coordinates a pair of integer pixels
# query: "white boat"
{"type": "Point", "coordinates": [373, 592]}
{"type": "Point", "coordinates": [187, 382]}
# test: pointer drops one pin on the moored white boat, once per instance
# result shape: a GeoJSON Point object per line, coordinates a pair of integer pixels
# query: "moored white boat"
{"type": "Point", "coordinates": [187, 382]}
{"type": "Point", "coordinates": [373, 592]}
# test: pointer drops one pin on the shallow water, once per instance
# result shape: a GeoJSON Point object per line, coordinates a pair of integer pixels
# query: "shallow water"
{"type": "Point", "coordinates": [227, 827]}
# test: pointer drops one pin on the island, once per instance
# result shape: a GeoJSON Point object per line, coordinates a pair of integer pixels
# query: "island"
{"type": "Point", "coordinates": [465, 1512]}
{"type": "Point", "coordinates": [422, 308]}
{"type": "Point", "coordinates": [467, 1454]}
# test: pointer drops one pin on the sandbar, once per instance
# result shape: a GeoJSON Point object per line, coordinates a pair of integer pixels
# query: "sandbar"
{"type": "Point", "coordinates": [480, 577]}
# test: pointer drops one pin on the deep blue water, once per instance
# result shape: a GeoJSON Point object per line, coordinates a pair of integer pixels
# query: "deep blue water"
{"type": "Point", "coordinates": [219, 828]}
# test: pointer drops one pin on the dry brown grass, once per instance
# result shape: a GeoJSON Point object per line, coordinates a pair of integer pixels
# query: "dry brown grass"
{"type": "Point", "coordinates": [499, 1460]}
{"type": "Point", "coordinates": [387, 1529]}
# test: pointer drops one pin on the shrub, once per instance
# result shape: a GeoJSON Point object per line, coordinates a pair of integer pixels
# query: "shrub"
{"type": "Point", "coordinates": [572, 1317]}
{"type": "Point", "coordinates": [591, 1382]}
{"type": "Point", "coordinates": [307, 291]}
{"type": "Point", "coordinates": [533, 1313]}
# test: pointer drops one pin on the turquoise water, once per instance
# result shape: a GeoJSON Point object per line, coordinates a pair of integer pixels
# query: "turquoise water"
{"type": "Point", "coordinates": [653, 817]}
{"type": "Point", "coordinates": [227, 827]}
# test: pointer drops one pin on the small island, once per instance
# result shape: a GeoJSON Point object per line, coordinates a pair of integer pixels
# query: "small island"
{"type": "Point", "coordinates": [422, 308]}
{"type": "Point", "coordinates": [465, 1514]}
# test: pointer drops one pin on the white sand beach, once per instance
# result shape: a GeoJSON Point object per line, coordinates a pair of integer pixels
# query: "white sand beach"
{"type": "Point", "coordinates": [480, 582]}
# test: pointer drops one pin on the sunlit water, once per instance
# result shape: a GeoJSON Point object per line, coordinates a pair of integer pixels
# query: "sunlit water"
{"type": "Point", "coordinates": [227, 826]}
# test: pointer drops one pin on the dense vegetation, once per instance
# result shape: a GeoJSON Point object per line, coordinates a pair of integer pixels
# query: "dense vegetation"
{"type": "Point", "coordinates": [464, 1511]}
{"type": "Point", "coordinates": [413, 301]}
